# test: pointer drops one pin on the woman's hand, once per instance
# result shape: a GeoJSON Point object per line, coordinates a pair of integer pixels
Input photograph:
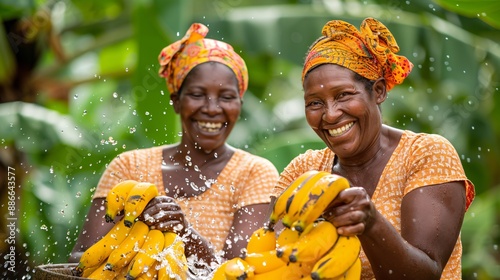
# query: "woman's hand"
{"type": "Point", "coordinates": [352, 211]}
{"type": "Point", "coordinates": [163, 213]}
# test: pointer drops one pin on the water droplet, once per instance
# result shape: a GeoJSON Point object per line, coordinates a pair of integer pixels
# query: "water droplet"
{"type": "Point", "coordinates": [115, 95]}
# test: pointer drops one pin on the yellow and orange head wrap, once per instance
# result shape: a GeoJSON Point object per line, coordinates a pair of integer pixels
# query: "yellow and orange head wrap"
{"type": "Point", "coordinates": [180, 57]}
{"type": "Point", "coordinates": [370, 52]}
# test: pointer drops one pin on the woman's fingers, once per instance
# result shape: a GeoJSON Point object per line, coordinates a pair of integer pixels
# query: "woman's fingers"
{"type": "Point", "coordinates": [351, 211]}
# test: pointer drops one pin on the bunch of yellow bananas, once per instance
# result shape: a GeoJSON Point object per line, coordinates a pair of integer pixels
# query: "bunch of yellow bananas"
{"type": "Point", "coordinates": [131, 250]}
{"type": "Point", "coordinates": [308, 247]}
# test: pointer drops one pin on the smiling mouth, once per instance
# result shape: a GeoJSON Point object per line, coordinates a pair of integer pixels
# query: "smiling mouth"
{"type": "Point", "coordinates": [341, 130]}
{"type": "Point", "coordinates": [210, 126]}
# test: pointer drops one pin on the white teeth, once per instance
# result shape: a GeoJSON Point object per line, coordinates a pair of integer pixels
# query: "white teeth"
{"type": "Point", "coordinates": [209, 126]}
{"type": "Point", "coordinates": [340, 130]}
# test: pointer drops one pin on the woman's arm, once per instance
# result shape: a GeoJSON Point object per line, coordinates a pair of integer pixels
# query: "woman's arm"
{"type": "Point", "coordinates": [246, 220]}
{"type": "Point", "coordinates": [94, 228]}
{"type": "Point", "coordinates": [431, 219]}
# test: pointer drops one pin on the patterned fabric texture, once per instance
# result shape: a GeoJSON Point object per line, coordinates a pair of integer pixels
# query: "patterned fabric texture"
{"type": "Point", "coordinates": [370, 52]}
{"type": "Point", "coordinates": [418, 161]}
{"type": "Point", "coordinates": [245, 180]}
{"type": "Point", "coordinates": [180, 57]}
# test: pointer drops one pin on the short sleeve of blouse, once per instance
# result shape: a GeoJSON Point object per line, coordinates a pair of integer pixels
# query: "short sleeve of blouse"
{"type": "Point", "coordinates": [435, 161]}
{"type": "Point", "coordinates": [264, 176]}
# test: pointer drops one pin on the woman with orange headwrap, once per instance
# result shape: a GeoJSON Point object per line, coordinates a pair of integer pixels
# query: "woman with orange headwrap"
{"type": "Point", "coordinates": [213, 192]}
{"type": "Point", "coordinates": [408, 190]}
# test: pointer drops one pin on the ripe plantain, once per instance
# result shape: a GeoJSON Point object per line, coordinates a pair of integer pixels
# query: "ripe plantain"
{"type": "Point", "coordinates": [219, 273]}
{"type": "Point", "coordinates": [294, 201]}
{"type": "Point", "coordinates": [287, 236]}
{"type": "Point", "coordinates": [96, 254]}
{"type": "Point", "coordinates": [147, 255]}
{"type": "Point", "coordinates": [174, 264]}
{"type": "Point", "coordinates": [312, 206]}
{"type": "Point", "coordinates": [238, 269]}
{"type": "Point", "coordinates": [312, 245]}
{"type": "Point", "coordinates": [262, 239]}
{"type": "Point", "coordinates": [150, 274]}
{"type": "Point", "coordinates": [354, 272]}
{"type": "Point", "coordinates": [264, 261]}
{"type": "Point", "coordinates": [101, 273]}
{"type": "Point", "coordinates": [123, 254]}
{"type": "Point", "coordinates": [115, 200]}
{"type": "Point", "coordinates": [280, 204]}
{"type": "Point", "coordinates": [138, 197]}
{"type": "Point", "coordinates": [338, 260]}
{"type": "Point", "coordinates": [290, 271]}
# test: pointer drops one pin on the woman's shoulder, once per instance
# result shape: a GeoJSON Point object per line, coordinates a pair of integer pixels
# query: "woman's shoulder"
{"type": "Point", "coordinates": [141, 153]}
{"type": "Point", "coordinates": [424, 139]}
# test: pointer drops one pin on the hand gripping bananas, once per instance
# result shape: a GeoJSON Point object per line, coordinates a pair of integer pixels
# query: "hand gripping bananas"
{"type": "Point", "coordinates": [131, 250]}
{"type": "Point", "coordinates": [308, 247]}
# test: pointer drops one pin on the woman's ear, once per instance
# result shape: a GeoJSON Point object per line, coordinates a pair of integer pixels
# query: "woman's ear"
{"type": "Point", "coordinates": [174, 97]}
{"type": "Point", "coordinates": [380, 91]}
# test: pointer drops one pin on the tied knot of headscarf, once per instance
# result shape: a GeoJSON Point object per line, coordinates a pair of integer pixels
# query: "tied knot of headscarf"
{"type": "Point", "coordinates": [370, 52]}
{"type": "Point", "coordinates": [179, 58]}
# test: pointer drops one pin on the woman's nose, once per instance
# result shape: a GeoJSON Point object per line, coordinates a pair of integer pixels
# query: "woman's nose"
{"type": "Point", "coordinates": [212, 105]}
{"type": "Point", "coordinates": [332, 112]}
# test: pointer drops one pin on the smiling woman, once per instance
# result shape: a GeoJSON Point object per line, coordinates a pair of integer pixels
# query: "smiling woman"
{"type": "Point", "coordinates": [409, 191]}
{"type": "Point", "coordinates": [214, 195]}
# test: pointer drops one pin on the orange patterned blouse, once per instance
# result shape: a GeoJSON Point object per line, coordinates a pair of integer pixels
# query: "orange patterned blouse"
{"type": "Point", "coordinates": [419, 160]}
{"type": "Point", "coordinates": [246, 179]}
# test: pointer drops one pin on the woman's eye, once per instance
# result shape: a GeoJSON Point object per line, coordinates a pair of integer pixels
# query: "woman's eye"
{"type": "Point", "coordinates": [228, 97]}
{"type": "Point", "coordinates": [314, 104]}
{"type": "Point", "coordinates": [196, 94]}
{"type": "Point", "coordinates": [343, 94]}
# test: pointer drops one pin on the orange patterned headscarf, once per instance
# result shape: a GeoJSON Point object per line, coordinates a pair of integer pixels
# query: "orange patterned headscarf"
{"type": "Point", "coordinates": [180, 57]}
{"type": "Point", "coordinates": [370, 52]}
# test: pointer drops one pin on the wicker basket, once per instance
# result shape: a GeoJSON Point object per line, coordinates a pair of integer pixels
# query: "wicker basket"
{"type": "Point", "coordinates": [55, 272]}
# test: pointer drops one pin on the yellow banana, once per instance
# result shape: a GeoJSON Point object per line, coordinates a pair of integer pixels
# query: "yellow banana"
{"type": "Point", "coordinates": [122, 273]}
{"type": "Point", "coordinates": [264, 261]}
{"type": "Point", "coordinates": [310, 246]}
{"type": "Point", "coordinates": [287, 236]}
{"type": "Point", "coordinates": [123, 254]}
{"type": "Point", "coordinates": [262, 239]}
{"type": "Point", "coordinates": [86, 271]}
{"type": "Point", "coordinates": [174, 264]}
{"type": "Point", "coordinates": [312, 205]}
{"type": "Point", "coordinates": [115, 200]}
{"type": "Point", "coordinates": [294, 201]}
{"type": "Point", "coordinates": [102, 274]}
{"type": "Point", "coordinates": [238, 269]}
{"type": "Point", "coordinates": [138, 197]}
{"type": "Point", "coordinates": [354, 272]}
{"type": "Point", "coordinates": [170, 238]}
{"type": "Point", "coordinates": [290, 271]}
{"type": "Point", "coordinates": [150, 274]}
{"type": "Point", "coordinates": [275, 274]}
{"type": "Point", "coordinates": [280, 204]}
{"type": "Point", "coordinates": [219, 273]}
{"type": "Point", "coordinates": [338, 260]}
{"type": "Point", "coordinates": [147, 255]}
{"type": "Point", "coordinates": [96, 254]}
